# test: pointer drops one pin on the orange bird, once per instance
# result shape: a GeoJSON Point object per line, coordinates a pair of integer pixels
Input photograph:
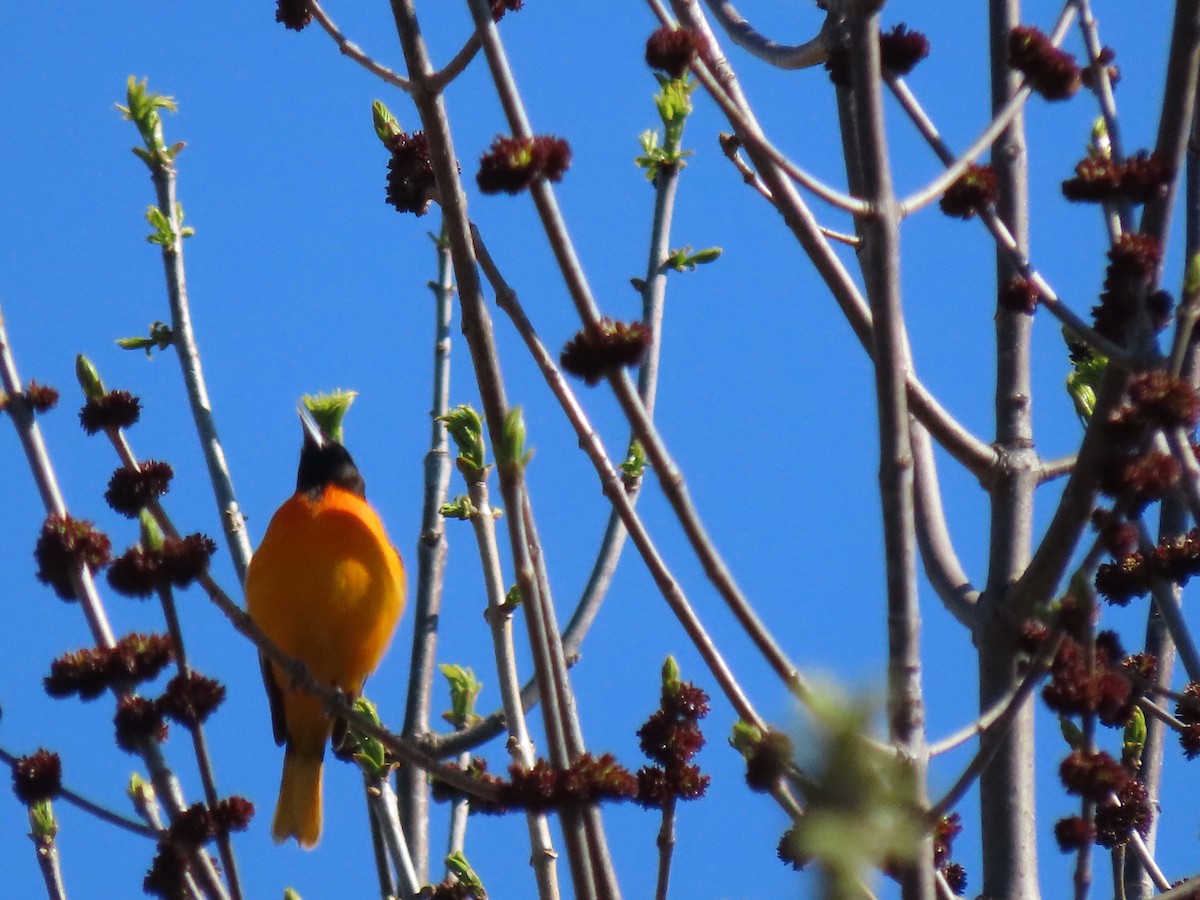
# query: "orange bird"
{"type": "Point", "coordinates": [327, 586]}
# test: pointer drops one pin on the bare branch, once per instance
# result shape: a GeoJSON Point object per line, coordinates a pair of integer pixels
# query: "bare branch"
{"type": "Point", "coordinates": [784, 56]}
{"type": "Point", "coordinates": [352, 50]}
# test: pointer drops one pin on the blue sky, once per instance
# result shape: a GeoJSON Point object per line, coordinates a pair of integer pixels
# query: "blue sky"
{"type": "Point", "coordinates": [302, 280]}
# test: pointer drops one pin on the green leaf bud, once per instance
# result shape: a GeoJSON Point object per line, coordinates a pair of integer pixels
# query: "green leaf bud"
{"type": "Point", "coordinates": [328, 411]}
{"type": "Point", "coordinates": [88, 378]}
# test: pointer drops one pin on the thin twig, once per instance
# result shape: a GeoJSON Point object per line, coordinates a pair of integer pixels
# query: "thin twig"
{"type": "Point", "coordinates": [995, 730]}
{"type": "Point", "coordinates": [200, 745]}
{"type": "Point", "coordinates": [976, 456]}
{"type": "Point", "coordinates": [183, 338]}
{"type": "Point", "coordinates": [783, 56]}
{"type": "Point", "coordinates": [955, 166]}
{"type": "Point", "coordinates": [432, 550]}
{"type": "Point", "coordinates": [46, 851]}
{"type": "Point", "coordinates": [613, 487]}
{"type": "Point", "coordinates": [666, 849]}
{"type": "Point", "coordinates": [499, 618]}
{"type": "Point", "coordinates": [1168, 606]}
{"type": "Point", "coordinates": [457, 65]}
{"type": "Point", "coordinates": [1181, 449]}
{"type": "Point", "coordinates": [1005, 241]}
{"type": "Point", "coordinates": [355, 52]}
{"type": "Point", "coordinates": [382, 800]}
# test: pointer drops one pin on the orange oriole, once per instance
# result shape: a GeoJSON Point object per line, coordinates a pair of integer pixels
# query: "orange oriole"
{"type": "Point", "coordinates": [327, 586]}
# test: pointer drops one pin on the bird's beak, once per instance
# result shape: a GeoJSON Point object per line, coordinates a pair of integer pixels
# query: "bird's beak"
{"type": "Point", "coordinates": [311, 431]}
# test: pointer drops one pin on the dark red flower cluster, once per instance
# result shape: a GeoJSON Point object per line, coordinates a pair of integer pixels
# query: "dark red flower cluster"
{"type": "Point", "coordinates": [790, 851]}
{"type": "Point", "coordinates": [947, 829]}
{"type": "Point", "coordinates": [1105, 60]}
{"type": "Point", "coordinates": [1018, 295]}
{"type": "Point", "coordinates": [1073, 833]}
{"type": "Point", "coordinates": [1172, 560]}
{"type": "Point", "coordinates": [197, 825]}
{"type": "Point", "coordinates": [512, 164]}
{"type": "Point", "coordinates": [901, 49]}
{"type": "Point", "coordinates": [194, 827]}
{"type": "Point", "coordinates": [1140, 479]}
{"type": "Point", "coordinates": [448, 890]}
{"type": "Point", "coordinates": [974, 191]}
{"type": "Point", "coordinates": [138, 719]}
{"type": "Point", "coordinates": [1121, 803]}
{"type": "Point", "coordinates": [500, 7]}
{"type": "Point", "coordinates": [410, 182]}
{"type": "Point", "coordinates": [167, 877]}
{"type": "Point", "coordinates": [1051, 72]}
{"type": "Point", "coordinates": [1187, 711]}
{"type": "Point", "coordinates": [1104, 689]}
{"type": "Point", "coordinates": [592, 354]}
{"type": "Point", "coordinates": [64, 545]}
{"type": "Point", "coordinates": [89, 672]}
{"type": "Point", "coordinates": [1100, 179]}
{"type": "Point", "coordinates": [589, 779]}
{"type": "Point", "coordinates": [116, 409]}
{"type": "Point", "coordinates": [1163, 401]}
{"type": "Point", "coordinates": [671, 50]}
{"type": "Point", "coordinates": [191, 831]}
{"type": "Point", "coordinates": [956, 876]}
{"type": "Point", "coordinates": [233, 813]}
{"type": "Point", "coordinates": [294, 14]}
{"type": "Point", "coordinates": [129, 491]}
{"type": "Point", "coordinates": [40, 397]}
{"type": "Point", "coordinates": [37, 777]}
{"type": "Point", "coordinates": [190, 699]}
{"type": "Point", "coordinates": [1132, 261]}
{"type": "Point", "coordinates": [768, 761]}
{"type": "Point", "coordinates": [139, 572]}
{"type": "Point", "coordinates": [1118, 536]}
{"type": "Point", "coordinates": [671, 737]}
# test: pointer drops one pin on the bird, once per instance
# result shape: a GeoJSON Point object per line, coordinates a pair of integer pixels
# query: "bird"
{"type": "Point", "coordinates": [327, 587]}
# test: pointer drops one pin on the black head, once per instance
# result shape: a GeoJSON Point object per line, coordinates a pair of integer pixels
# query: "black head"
{"type": "Point", "coordinates": [323, 462]}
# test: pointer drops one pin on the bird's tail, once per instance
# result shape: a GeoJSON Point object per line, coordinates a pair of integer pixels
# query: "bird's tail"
{"type": "Point", "coordinates": [298, 813]}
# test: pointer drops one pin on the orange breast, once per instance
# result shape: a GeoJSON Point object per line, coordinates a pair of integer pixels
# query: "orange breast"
{"type": "Point", "coordinates": [327, 586]}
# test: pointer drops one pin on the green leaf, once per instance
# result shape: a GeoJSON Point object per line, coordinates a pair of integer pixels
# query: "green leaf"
{"type": "Point", "coordinates": [329, 410]}
{"type": "Point", "coordinates": [151, 535]}
{"type": "Point", "coordinates": [1083, 384]}
{"type": "Point", "coordinates": [369, 752]}
{"type": "Point", "coordinates": [466, 430]}
{"type": "Point", "coordinates": [386, 126]}
{"type": "Point", "coordinates": [510, 449]}
{"type": "Point", "coordinates": [142, 108]}
{"type": "Point", "coordinates": [1191, 279]}
{"type": "Point", "coordinates": [460, 507]}
{"type": "Point", "coordinates": [684, 260]}
{"type": "Point", "coordinates": [41, 820]}
{"type": "Point", "coordinates": [464, 688]}
{"type": "Point", "coordinates": [745, 738]}
{"type": "Point", "coordinates": [1071, 733]}
{"type": "Point", "coordinates": [161, 337]}
{"type": "Point", "coordinates": [88, 378]}
{"type": "Point", "coordinates": [670, 675]}
{"type": "Point", "coordinates": [1134, 738]}
{"type": "Point", "coordinates": [634, 465]}
{"type": "Point", "coordinates": [458, 866]}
